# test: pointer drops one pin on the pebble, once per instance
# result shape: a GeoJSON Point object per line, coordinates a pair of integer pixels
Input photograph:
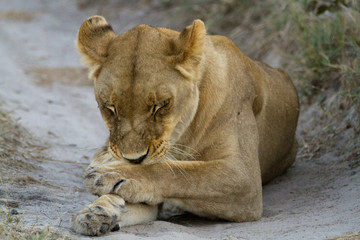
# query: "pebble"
{"type": "Point", "coordinates": [14, 212]}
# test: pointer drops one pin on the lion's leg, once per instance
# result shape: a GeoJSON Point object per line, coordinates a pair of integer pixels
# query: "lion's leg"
{"type": "Point", "coordinates": [279, 167]}
{"type": "Point", "coordinates": [289, 159]}
{"type": "Point", "coordinates": [195, 186]}
{"type": "Point", "coordinates": [233, 209]}
{"type": "Point", "coordinates": [110, 212]}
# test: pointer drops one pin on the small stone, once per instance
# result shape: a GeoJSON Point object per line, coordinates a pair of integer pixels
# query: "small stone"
{"type": "Point", "coordinates": [14, 212]}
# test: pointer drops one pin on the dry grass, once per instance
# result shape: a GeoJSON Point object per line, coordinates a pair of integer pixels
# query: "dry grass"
{"type": "Point", "coordinates": [326, 47]}
{"type": "Point", "coordinates": [19, 155]}
{"type": "Point", "coordinates": [12, 229]}
{"type": "Point", "coordinates": [319, 40]}
{"type": "Point", "coordinates": [16, 147]}
{"type": "Point", "coordinates": [316, 42]}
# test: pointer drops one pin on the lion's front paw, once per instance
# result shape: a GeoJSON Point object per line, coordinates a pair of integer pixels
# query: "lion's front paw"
{"type": "Point", "coordinates": [133, 189]}
{"type": "Point", "coordinates": [99, 183]}
{"type": "Point", "coordinates": [90, 175]}
{"type": "Point", "coordinates": [137, 191]}
{"type": "Point", "coordinates": [100, 217]}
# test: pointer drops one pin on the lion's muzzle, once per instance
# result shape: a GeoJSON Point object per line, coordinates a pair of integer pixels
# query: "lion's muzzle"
{"type": "Point", "coordinates": [137, 157]}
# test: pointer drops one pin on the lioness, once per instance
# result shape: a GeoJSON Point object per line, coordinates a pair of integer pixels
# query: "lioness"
{"type": "Point", "coordinates": [193, 123]}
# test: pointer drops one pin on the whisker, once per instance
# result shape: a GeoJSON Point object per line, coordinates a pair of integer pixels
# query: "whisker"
{"type": "Point", "coordinates": [187, 147]}
{"type": "Point", "coordinates": [181, 170]}
{"type": "Point", "coordinates": [91, 148]}
{"type": "Point", "coordinates": [181, 152]}
{"type": "Point", "coordinates": [170, 167]}
{"type": "Point", "coordinates": [171, 157]}
{"type": "Point", "coordinates": [104, 152]}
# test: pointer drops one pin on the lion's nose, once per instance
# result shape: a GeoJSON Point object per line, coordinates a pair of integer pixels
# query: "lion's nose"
{"type": "Point", "coordinates": [136, 158]}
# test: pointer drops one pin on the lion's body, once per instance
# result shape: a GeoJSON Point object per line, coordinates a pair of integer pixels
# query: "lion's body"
{"type": "Point", "coordinates": [239, 80]}
{"type": "Point", "coordinates": [229, 121]}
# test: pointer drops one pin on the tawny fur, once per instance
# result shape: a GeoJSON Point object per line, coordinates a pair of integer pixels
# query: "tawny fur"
{"type": "Point", "coordinates": [215, 125]}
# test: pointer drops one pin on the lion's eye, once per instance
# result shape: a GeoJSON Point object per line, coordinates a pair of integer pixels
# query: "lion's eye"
{"type": "Point", "coordinates": [112, 108]}
{"type": "Point", "coordinates": [155, 109]}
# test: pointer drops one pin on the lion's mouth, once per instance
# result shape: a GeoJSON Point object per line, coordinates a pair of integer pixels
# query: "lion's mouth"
{"type": "Point", "coordinates": [153, 154]}
{"type": "Point", "coordinates": [137, 159]}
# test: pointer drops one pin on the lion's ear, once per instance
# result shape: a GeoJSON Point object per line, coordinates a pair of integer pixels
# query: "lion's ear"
{"type": "Point", "coordinates": [191, 44]}
{"type": "Point", "coordinates": [93, 40]}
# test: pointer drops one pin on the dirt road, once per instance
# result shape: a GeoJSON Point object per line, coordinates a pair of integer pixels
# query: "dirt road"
{"type": "Point", "coordinates": [44, 86]}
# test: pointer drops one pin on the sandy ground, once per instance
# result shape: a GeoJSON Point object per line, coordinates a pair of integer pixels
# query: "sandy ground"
{"type": "Point", "coordinates": [44, 86]}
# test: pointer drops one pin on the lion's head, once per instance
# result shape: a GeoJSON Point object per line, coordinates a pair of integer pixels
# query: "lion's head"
{"type": "Point", "coordinates": [146, 84]}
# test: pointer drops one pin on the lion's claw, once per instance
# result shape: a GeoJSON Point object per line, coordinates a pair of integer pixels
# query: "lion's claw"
{"type": "Point", "coordinates": [118, 185]}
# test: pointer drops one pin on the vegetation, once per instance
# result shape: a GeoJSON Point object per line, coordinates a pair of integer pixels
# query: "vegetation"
{"type": "Point", "coordinates": [17, 147]}
{"type": "Point", "coordinates": [321, 38]}
{"type": "Point", "coordinates": [320, 45]}
{"type": "Point", "coordinates": [319, 41]}
{"type": "Point", "coordinates": [327, 38]}
{"type": "Point", "coordinates": [11, 228]}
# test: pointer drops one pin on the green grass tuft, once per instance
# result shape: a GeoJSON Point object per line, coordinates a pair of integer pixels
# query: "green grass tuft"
{"type": "Point", "coordinates": [327, 47]}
